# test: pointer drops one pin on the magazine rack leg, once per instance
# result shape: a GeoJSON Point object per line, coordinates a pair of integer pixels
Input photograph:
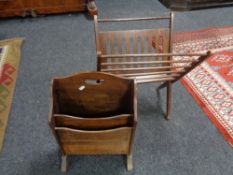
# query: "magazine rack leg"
{"type": "Point", "coordinates": [169, 100]}
{"type": "Point", "coordinates": [129, 162]}
{"type": "Point", "coordinates": [64, 163]}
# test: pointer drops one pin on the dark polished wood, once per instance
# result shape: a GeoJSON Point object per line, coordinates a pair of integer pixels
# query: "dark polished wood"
{"type": "Point", "coordinates": [93, 123]}
{"type": "Point", "coordinates": [93, 113]}
{"type": "Point", "coordinates": [195, 4]}
{"type": "Point", "coordinates": [10, 8]}
{"type": "Point", "coordinates": [144, 55]}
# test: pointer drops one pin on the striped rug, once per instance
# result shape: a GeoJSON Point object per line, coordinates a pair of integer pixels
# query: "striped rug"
{"type": "Point", "coordinates": [9, 65]}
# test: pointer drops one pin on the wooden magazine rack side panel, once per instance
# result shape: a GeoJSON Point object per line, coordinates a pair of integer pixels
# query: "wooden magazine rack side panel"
{"type": "Point", "coordinates": [147, 41]}
{"type": "Point", "coordinates": [79, 94]}
{"type": "Point", "coordinates": [93, 123]}
{"type": "Point", "coordinates": [132, 42]}
{"type": "Point", "coordinates": [115, 141]}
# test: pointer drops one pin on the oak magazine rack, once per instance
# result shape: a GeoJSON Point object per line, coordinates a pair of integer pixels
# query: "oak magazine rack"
{"type": "Point", "coordinates": [144, 54]}
{"type": "Point", "coordinates": [93, 113]}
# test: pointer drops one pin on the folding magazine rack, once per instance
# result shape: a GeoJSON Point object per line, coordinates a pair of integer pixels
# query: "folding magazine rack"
{"type": "Point", "coordinates": [144, 55]}
{"type": "Point", "coordinates": [94, 113]}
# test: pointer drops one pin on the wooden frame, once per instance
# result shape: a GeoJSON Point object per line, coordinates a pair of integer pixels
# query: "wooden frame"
{"type": "Point", "coordinates": [82, 126]}
{"type": "Point", "coordinates": [145, 55]}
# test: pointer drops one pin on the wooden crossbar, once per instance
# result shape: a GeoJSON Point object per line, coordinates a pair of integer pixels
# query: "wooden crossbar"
{"type": "Point", "coordinates": [147, 62]}
{"type": "Point", "coordinates": [150, 55]}
{"type": "Point", "coordinates": [134, 19]}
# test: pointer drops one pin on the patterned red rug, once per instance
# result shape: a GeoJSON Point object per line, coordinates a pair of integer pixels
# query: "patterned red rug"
{"type": "Point", "coordinates": [211, 83]}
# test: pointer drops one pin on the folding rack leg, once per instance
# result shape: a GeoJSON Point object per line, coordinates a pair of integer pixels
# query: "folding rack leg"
{"type": "Point", "coordinates": [64, 163]}
{"type": "Point", "coordinates": [169, 100]}
{"type": "Point", "coordinates": [129, 162]}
